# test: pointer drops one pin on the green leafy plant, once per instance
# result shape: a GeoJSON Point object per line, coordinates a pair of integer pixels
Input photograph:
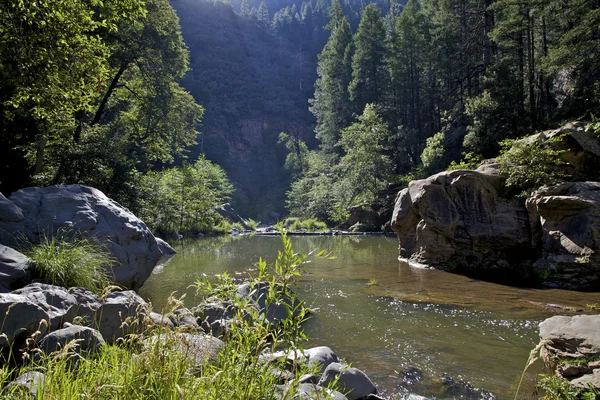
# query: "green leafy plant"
{"type": "Point", "coordinates": [558, 388]}
{"type": "Point", "coordinates": [252, 224]}
{"type": "Point", "coordinates": [469, 161]}
{"type": "Point", "coordinates": [68, 260]}
{"type": "Point", "coordinates": [529, 165]}
{"type": "Point", "coordinates": [310, 225]}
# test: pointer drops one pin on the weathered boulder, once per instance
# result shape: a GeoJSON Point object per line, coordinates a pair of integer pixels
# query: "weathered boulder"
{"type": "Point", "coordinates": [88, 304]}
{"type": "Point", "coordinates": [15, 269]}
{"type": "Point", "coordinates": [88, 340]}
{"type": "Point", "coordinates": [165, 248]}
{"type": "Point", "coordinates": [120, 314]}
{"type": "Point", "coordinates": [183, 317]}
{"type": "Point", "coordinates": [196, 348]}
{"type": "Point", "coordinates": [352, 381]}
{"type": "Point", "coordinates": [40, 211]}
{"type": "Point", "coordinates": [459, 220]}
{"type": "Point", "coordinates": [23, 310]}
{"type": "Point", "coordinates": [320, 356]}
{"type": "Point", "coordinates": [565, 220]}
{"type": "Point", "coordinates": [571, 347]}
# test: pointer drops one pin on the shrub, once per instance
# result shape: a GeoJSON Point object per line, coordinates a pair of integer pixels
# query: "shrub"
{"type": "Point", "coordinates": [469, 161]}
{"type": "Point", "coordinates": [530, 165]}
{"type": "Point", "coordinates": [69, 262]}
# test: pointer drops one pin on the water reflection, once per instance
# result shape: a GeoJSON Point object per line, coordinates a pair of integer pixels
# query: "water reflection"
{"type": "Point", "coordinates": [386, 317]}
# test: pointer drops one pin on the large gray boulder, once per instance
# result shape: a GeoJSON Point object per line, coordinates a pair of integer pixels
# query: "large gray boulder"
{"type": "Point", "coordinates": [459, 220]}
{"type": "Point", "coordinates": [40, 211]}
{"type": "Point", "coordinates": [352, 381]}
{"type": "Point", "coordinates": [565, 220]}
{"type": "Point", "coordinates": [31, 382]}
{"type": "Point", "coordinates": [88, 340]}
{"type": "Point", "coordinates": [23, 311]}
{"type": "Point", "coordinates": [15, 269]}
{"type": "Point", "coordinates": [121, 314]}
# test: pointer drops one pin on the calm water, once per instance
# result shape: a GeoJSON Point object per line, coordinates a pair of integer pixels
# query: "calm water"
{"type": "Point", "coordinates": [430, 320]}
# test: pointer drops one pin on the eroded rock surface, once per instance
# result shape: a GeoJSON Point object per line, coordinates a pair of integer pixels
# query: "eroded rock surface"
{"type": "Point", "coordinates": [40, 211]}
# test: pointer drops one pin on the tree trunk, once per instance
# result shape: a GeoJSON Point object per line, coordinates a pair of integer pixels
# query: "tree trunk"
{"type": "Point", "coordinates": [109, 91]}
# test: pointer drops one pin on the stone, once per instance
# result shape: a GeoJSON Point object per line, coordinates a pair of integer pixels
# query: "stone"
{"type": "Point", "coordinates": [86, 210]}
{"type": "Point", "coordinates": [24, 310]}
{"type": "Point", "coordinates": [9, 211]}
{"type": "Point", "coordinates": [165, 248]}
{"type": "Point", "coordinates": [32, 381]}
{"type": "Point", "coordinates": [88, 340]}
{"type": "Point", "coordinates": [460, 221]}
{"type": "Point", "coordinates": [575, 336]}
{"type": "Point", "coordinates": [183, 317]}
{"type": "Point", "coordinates": [309, 378]}
{"type": "Point", "coordinates": [212, 311]}
{"type": "Point", "coordinates": [160, 320]}
{"type": "Point", "coordinates": [321, 356]}
{"type": "Point", "coordinates": [352, 381]}
{"type": "Point", "coordinates": [197, 348]}
{"type": "Point", "coordinates": [566, 222]}
{"type": "Point", "coordinates": [309, 391]}
{"type": "Point", "coordinates": [15, 268]}
{"type": "Point", "coordinates": [88, 304]}
{"type": "Point", "coordinates": [120, 314]}
{"type": "Point", "coordinates": [587, 381]}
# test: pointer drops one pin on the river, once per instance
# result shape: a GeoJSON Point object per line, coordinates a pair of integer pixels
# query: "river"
{"type": "Point", "coordinates": [389, 319]}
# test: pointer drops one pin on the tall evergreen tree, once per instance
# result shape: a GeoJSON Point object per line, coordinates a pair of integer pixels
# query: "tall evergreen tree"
{"type": "Point", "coordinates": [245, 9]}
{"type": "Point", "coordinates": [370, 77]}
{"type": "Point", "coordinates": [330, 104]}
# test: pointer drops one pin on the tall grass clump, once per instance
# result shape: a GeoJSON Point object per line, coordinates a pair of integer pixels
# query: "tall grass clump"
{"type": "Point", "coordinates": [309, 225]}
{"type": "Point", "coordinates": [69, 261]}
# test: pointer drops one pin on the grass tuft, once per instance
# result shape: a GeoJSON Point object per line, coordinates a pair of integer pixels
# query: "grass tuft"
{"type": "Point", "coordinates": [310, 225]}
{"type": "Point", "coordinates": [70, 262]}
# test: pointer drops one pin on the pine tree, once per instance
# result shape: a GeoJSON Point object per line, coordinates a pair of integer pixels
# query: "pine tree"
{"type": "Point", "coordinates": [330, 104]}
{"type": "Point", "coordinates": [263, 14]}
{"type": "Point", "coordinates": [245, 9]}
{"type": "Point", "coordinates": [370, 77]}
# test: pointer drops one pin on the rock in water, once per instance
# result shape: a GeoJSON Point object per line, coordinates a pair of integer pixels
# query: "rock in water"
{"type": "Point", "coordinates": [39, 211]}
{"type": "Point", "coordinates": [459, 220]}
{"type": "Point", "coordinates": [352, 381]}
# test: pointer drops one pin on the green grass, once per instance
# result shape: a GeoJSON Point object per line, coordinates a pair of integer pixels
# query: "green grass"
{"type": "Point", "coordinates": [558, 388]}
{"type": "Point", "coordinates": [309, 225]}
{"type": "Point", "coordinates": [252, 224]}
{"type": "Point", "coordinates": [71, 261]}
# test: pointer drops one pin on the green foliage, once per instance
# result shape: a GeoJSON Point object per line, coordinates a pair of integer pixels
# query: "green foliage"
{"type": "Point", "coordinates": [296, 159]}
{"type": "Point", "coordinates": [183, 199]}
{"type": "Point", "coordinates": [433, 153]}
{"type": "Point", "coordinates": [530, 164]}
{"type": "Point", "coordinates": [71, 261]}
{"type": "Point", "coordinates": [469, 161]}
{"type": "Point", "coordinates": [309, 225]}
{"type": "Point", "coordinates": [558, 388]}
{"type": "Point", "coordinates": [252, 224]}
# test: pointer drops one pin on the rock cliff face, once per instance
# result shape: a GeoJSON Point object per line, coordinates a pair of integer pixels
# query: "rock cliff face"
{"type": "Point", "coordinates": [464, 221]}
{"type": "Point", "coordinates": [33, 213]}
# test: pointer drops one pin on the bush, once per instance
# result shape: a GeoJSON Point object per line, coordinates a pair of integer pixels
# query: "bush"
{"type": "Point", "coordinates": [469, 161]}
{"type": "Point", "coordinates": [71, 262]}
{"type": "Point", "coordinates": [530, 165]}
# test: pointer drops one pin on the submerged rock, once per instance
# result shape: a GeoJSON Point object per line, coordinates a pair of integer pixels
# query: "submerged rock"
{"type": "Point", "coordinates": [39, 212]}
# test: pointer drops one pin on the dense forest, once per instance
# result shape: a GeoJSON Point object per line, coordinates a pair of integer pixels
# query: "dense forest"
{"type": "Point", "coordinates": [312, 108]}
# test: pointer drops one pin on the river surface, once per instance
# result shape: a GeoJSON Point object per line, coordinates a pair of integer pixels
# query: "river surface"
{"type": "Point", "coordinates": [389, 319]}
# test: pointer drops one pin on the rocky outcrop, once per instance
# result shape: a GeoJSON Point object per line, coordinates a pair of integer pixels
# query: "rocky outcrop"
{"type": "Point", "coordinates": [466, 221]}
{"type": "Point", "coordinates": [571, 348]}
{"type": "Point", "coordinates": [41, 211]}
{"type": "Point", "coordinates": [566, 225]}
{"type": "Point", "coordinates": [459, 220]}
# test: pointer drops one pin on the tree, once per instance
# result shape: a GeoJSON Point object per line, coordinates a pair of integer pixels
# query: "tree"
{"type": "Point", "coordinates": [331, 104]}
{"type": "Point", "coordinates": [245, 9]}
{"type": "Point", "coordinates": [370, 77]}
{"type": "Point", "coordinates": [263, 14]}
{"type": "Point", "coordinates": [365, 169]}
